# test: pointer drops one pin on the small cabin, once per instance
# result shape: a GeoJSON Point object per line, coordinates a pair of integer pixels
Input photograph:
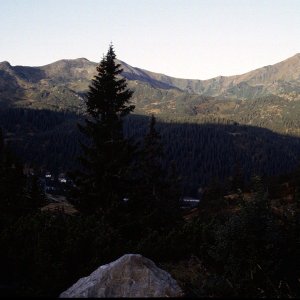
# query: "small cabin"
{"type": "Point", "coordinates": [48, 175]}
{"type": "Point", "coordinates": [62, 178]}
{"type": "Point", "coordinates": [189, 202]}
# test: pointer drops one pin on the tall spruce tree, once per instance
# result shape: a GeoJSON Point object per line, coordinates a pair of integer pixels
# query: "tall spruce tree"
{"type": "Point", "coordinates": [103, 181]}
{"type": "Point", "coordinates": [12, 186]}
{"type": "Point", "coordinates": [1, 145]}
{"type": "Point", "coordinates": [152, 160]}
{"type": "Point", "coordinates": [35, 195]}
{"type": "Point", "coordinates": [159, 186]}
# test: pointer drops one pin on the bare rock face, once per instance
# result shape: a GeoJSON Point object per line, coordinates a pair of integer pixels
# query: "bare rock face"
{"type": "Point", "coordinates": [132, 275]}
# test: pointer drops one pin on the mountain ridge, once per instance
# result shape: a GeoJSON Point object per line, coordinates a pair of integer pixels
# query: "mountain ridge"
{"type": "Point", "coordinates": [256, 76]}
{"type": "Point", "coordinates": [267, 96]}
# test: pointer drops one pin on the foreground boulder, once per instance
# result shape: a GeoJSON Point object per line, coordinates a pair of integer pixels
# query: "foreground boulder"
{"type": "Point", "coordinates": [132, 275]}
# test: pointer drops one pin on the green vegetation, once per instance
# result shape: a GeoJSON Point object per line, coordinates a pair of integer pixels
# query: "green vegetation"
{"type": "Point", "coordinates": [241, 241]}
{"type": "Point", "coordinates": [200, 148]}
{"type": "Point", "coordinates": [267, 97]}
{"type": "Point", "coordinates": [102, 182]}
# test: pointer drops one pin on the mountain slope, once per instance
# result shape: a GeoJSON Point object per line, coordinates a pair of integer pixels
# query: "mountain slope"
{"type": "Point", "coordinates": [267, 97]}
{"type": "Point", "coordinates": [278, 79]}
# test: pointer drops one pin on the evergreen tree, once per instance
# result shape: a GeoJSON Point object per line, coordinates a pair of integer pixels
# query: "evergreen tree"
{"type": "Point", "coordinates": [212, 198]}
{"type": "Point", "coordinates": [1, 146]}
{"type": "Point", "coordinates": [152, 159]}
{"type": "Point", "coordinates": [35, 195]}
{"type": "Point", "coordinates": [158, 188]}
{"type": "Point", "coordinates": [261, 196]}
{"type": "Point", "coordinates": [12, 186]}
{"type": "Point", "coordinates": [103, 181]}
{"type": "Point", "coordinates": [237, 182]}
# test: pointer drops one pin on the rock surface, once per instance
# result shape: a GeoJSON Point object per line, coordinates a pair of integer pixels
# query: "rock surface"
{"type": "Point", "coordinates": [132, 275]}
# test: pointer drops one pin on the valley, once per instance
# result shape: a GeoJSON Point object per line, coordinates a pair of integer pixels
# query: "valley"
{"type": "Point", "coordinates": [207, 126]}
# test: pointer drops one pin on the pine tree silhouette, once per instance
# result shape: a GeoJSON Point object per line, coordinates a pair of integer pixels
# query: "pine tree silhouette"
{"type": "Point", "coordinates": [103, 182]}
{"type": "Point", "coordinates": [158, 188]}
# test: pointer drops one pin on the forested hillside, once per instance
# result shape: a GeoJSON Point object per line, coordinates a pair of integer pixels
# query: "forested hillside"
{"type": "Point", "coordinates": [130, 174]}
{"type": "Point", "coordinates": [203, 149]}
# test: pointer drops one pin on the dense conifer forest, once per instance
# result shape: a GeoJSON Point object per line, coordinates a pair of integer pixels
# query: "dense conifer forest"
{"type": "Point", "coordinates": [201, 148]}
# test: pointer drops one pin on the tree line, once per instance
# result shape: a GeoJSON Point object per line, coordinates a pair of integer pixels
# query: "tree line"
{"type": "Point", "coordinates": [201, 148]}
{"type": "Point", "coordinates": [127, 198]}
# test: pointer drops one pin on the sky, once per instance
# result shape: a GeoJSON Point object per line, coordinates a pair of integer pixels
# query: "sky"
{"type": "Point", "coordinates": [195, 39]}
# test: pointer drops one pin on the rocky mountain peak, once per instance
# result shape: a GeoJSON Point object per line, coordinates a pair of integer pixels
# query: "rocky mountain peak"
{"type": "Point", "coordinates": [5, 65]}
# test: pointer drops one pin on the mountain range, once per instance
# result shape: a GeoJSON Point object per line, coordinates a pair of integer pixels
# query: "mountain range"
{"type": "Point", "coordinates": [267, 97]}
{"type": "Point", "coordinates": [207, 126]}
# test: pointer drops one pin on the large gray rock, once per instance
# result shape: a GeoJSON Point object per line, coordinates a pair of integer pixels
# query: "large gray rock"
{"type": "Point", "coordinates": [132, 275]}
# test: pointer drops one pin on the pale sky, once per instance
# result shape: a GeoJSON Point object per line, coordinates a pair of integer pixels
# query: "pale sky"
{"type": "Point", "coordinates": [196, 39]}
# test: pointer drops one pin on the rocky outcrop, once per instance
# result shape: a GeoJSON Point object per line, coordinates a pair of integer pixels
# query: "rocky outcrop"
{"type": "Point", "coordinates": [132, 275]}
